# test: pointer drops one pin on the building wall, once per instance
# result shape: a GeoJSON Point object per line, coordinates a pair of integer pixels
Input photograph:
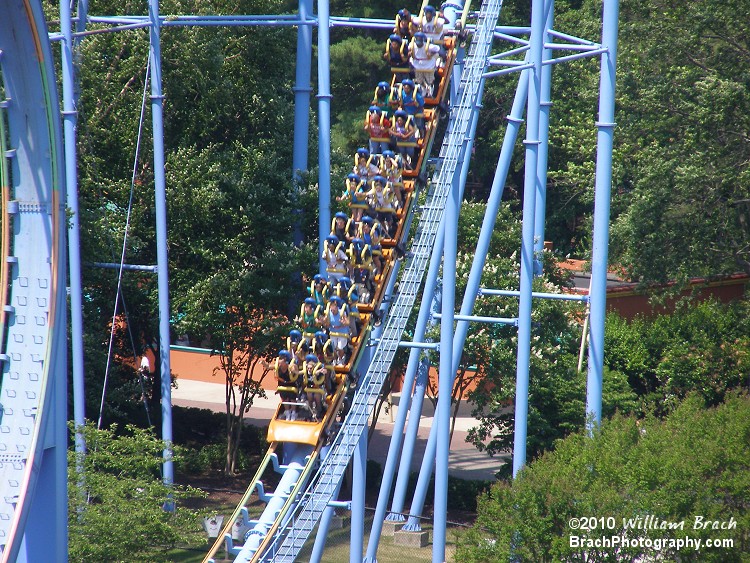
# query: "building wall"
{"type": "Point", "coordinates": [628, 304]}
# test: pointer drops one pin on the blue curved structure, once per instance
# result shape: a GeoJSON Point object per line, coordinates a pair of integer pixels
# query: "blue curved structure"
{"type": "Point", "coordinates": [33, 351]}
{"type": "Point", "coordinates": [33, 463]}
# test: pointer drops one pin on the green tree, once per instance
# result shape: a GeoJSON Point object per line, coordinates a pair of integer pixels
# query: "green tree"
{"type": "Point", "coordinates": [694, 463]}
{"type": "Point", "coordinates": [700, 347]}
{"type": "Point", "coordinates": [488, 362]}
{"type": "Point", "coordinates": [244, 339]}
{"type": "Point", "coordinates": [686, 95]}
{"type": "Point", "coordinates": [228, 98]}
{"type": "Point", "coordinates": [116, 504]}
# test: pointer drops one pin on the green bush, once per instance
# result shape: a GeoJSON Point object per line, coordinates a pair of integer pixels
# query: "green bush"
{"type": "Point", "coordinates": [694, 462]}
{"type": "Point", "coordinates": [701, 347]}
{"type": "Point", "coordinates": [202, 435]}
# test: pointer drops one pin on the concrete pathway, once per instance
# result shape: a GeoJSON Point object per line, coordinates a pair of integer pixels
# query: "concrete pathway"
{"type": "Point", "coordinates": [465, 462]}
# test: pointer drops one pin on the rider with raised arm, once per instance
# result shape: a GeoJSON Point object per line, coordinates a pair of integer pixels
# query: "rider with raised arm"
{"type": "Point", "coordinates": [287, 384]}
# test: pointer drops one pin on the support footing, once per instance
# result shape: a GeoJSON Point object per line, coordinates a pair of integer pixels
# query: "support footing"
{"type": "Point", "coordinates": [411, 539]}
{"type": "Point", "coordinates": [390, 527]}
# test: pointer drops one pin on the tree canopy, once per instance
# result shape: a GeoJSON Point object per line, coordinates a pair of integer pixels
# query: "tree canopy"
{"type": "Point", "coordinates": [694, 464]}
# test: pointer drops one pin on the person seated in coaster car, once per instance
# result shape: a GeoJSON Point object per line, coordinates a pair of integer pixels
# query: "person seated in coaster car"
{"type": "Point", "coordinates": [377, 126]}
{"type": "Point", "coordinates": [404, 134]}
{"type": "Point", "coordinates": [431, 24]}
{"type": "Point", "coordinates": [310, 318]}
{"type": "Point", "coordinates": [355, 189]}
{"type": "Point", "coordinates": [343, 228]}
{"type": "Point", "coordinates": [315, 380]}
{"type": "Point", "coordinates": [337, 262]}
{"type": "Point", "coordinates": [287, 384]}
{"type": "Point", "coordinates": [323, 348]}
{"type": "Point", "coordinates": [337, 322]}
{"type": "Point", "coordinates": [360, 258]}
{"type": "Point", "coordinates": [371, 234]}
{"type": "Point", "coordinates": [392, 167]}
{"type": "Point", "coordinates": [410, 100]}
{"type": "Point", "coordinates": [382, 201]}
{"type": "Point", "coordinates": [424, 58]}
{"type": "Point", "coordinates": [366, 165]}
{"type": "Point", "coordinates": [382, 99]}
{"type": "Point", "coordinates": [397, 55]}
{"type": "Point", "coordinates": [347, 291]}
{"type": "Point", "coordinates": [319, 290]}
{"type": "Point", "coordinates": [403, 26]}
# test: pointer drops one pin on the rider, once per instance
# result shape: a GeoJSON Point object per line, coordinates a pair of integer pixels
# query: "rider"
{"type": "Point", "coordinates": [338, 328]}
{"type": "Point", "coordinates": [412, 102]}
{"type": "Point", "coordinates": [404, 134]}
{"type": "Point", "coordinates": [403, 25]}
{"type": "Point", "coordinates": [287, 386]}
{"type": "Point", "coordinates": [319, 290]}
{"type": "Point", "coordinates": [343, 227]}
{"type": "Point", "coordinates": [382, 98]}
{"type": "Point", "coordinates": [309, 318]}
{"type": "Point", "coordinates": [360, 257]}
{"type": "Point", "coordinates": [391, 167]}
{"type": "Point", "coordinates": [354, 191]}
{"type": "Point", "coordinates": [336, 259]}
{"type": "Point", "coordinates": [382, 199]}
{"type": "Point", "coordinates": [365, 166]}
{"type": "Point", "coordinates": [370, 234]}
{"type": "Point", "coordinates": [431, 24]}
{"type": "Point", "coordinates": [397, 55]}
{"type": "Point", "coordinates": [424, 59]}
{"type": "Point", "coordinates": [323, 347]}
{"type": "Point", "coordinates": [377, 126]}
{"type": "Point", "coordinates": [315, 380]}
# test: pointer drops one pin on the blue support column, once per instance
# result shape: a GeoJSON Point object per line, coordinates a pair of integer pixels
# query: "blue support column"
{"type": "Point", "coordinates": [324, 129]}
{"type": "Point", "coordinates": [162, 259]}
{"type": "Point", "coordinates": [410, 404]}
{"type": "Point", "coordinates": [70, 118]}
{"type": "Point", "coordinates": [302, 92]}
{"type": "Point", "coordinates": [82, 13]}
{"type": "Point", "coordinates": [357, 541]}
{"type": "Point", "coordinates": [527, 242]}
{"type": "Point", "coordinates": [462, 327]}
{"type": "Point", "coordinates": [541, 165]}
{"type": "Point", "coordinates": [316, 556]}
{"type": "Point", "coordinates": [603, 188]}
{"type": "Point", "coordinates": [515, 119]}
{"type": "Point", "coordinates": [418, 395]}
{"type": "Point", "coordinates": [446, 375]}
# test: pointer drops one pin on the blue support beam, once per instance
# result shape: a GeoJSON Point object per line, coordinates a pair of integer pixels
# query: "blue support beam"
{"type": "Point", "coordinates": [70, 118]}
{"type": "Point", "coordinates": [602, 191]}
{"type": "Point", "coordinates": [302, 91]}
{"type": "Point", "coordinates": [324, 130]}
{"type": "Point", "coordinates": [545, 103]}
{"type": "Point", "coordinates": [527, 234]}
{"type": "Point", "coordinates": [162, 258]}
{"type": "Point", "coordinates": [488, 225]}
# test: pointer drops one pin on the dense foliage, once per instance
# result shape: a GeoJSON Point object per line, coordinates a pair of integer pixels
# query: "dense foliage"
{"type": "Point", "coordinates": [702, 348]}
{"type": "Point", "coordinates": [695, 463]}
{"type": "Point", "coordinates": [680, 178]}
{"type": "Point", "coordinates": [228, 111]}
{"type": "Point", "coordinates": [116, 511]}
{"type": "Point", "coordinates": [679, 210]}
{"type": "Point", "coordinates": [651, 365]}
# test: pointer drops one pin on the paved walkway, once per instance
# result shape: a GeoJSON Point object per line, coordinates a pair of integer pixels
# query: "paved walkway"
{"type": "Point", "coordinates": [465, 461]}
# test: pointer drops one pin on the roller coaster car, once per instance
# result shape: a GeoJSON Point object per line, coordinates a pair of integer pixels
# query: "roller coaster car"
{"type": "Point", "coordinates": [430, 122]}
{"type": "Point", "coordinates": [311, 432]}
{"type": "Point", "coordinates": [307, 432]}
{"type": "Point", "coordinates": [449, 43]}
{"type": "Point", "coordinates": [408, 194]}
